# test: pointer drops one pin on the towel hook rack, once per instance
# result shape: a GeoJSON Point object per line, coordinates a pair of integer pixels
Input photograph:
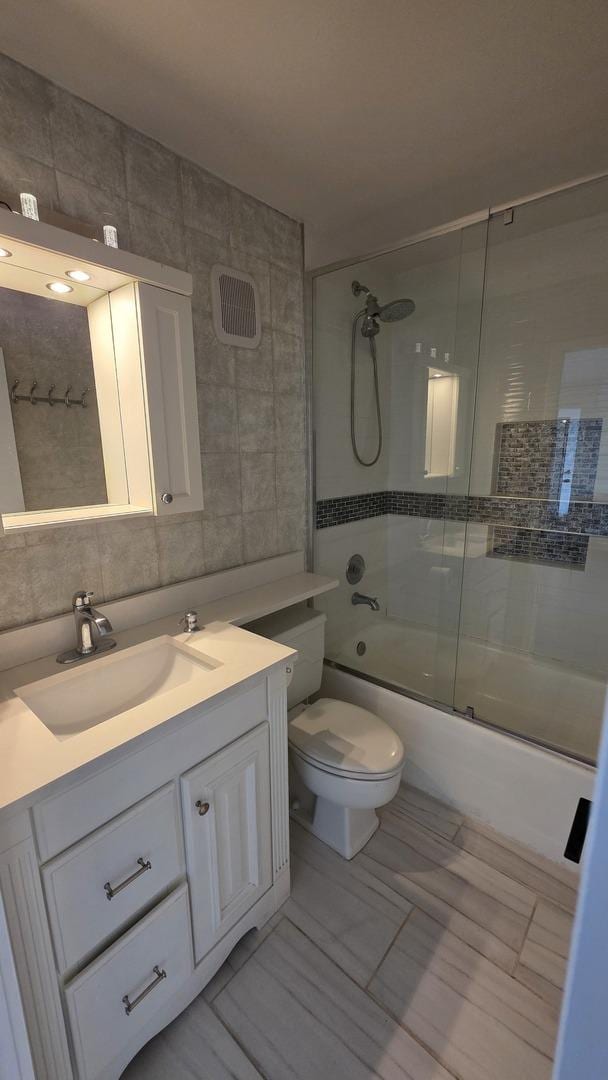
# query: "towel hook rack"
{"type": "Point", "coordinates": [49, 398]}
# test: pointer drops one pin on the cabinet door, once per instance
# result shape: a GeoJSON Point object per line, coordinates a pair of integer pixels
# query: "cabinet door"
{"type": "Point", "coordinates": [226, 804]}
{"type": "Point", "coordinates": [165, 326]}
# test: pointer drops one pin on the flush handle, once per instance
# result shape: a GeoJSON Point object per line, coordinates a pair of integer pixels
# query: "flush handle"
{"type": "Point", "coordinates": [112, 890]}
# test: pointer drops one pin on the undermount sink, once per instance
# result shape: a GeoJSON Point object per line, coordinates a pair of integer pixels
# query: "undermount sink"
{"type": "Point", "coordinates": [76, 700]}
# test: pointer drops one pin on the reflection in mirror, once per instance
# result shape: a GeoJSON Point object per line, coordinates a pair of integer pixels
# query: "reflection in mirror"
{"type": "Point", "coordinates": [50, 451]}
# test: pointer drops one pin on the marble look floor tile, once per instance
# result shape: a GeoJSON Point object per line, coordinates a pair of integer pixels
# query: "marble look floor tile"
{"type": "Point", "coordinates": [348, 912]}
{"type": "Point", "coordinates": [564, 873]}
{"type": "Point", "coordinates": [416, 877]}
{"type": "Point", "coordinates": [301, 1018]}
{"type": "Point", "coordinates": [428, 847]}
{"type": "Point", "coordinates": [410, 802]}
{"type": "Point", "coordinates": [521, 865]}
{"type": "Point", "coordinates": [487, 936]}
{"type": "Point", "coordinates": [475, 1018]}
{"type": "Point", "coordinates": [551, 994]}
{"type": "Point", "coordinates": [545, 950]}
{"type": "Point", "coordinates": [196, 1046]}
{"type": "Point", "coordinates": [218, 982]}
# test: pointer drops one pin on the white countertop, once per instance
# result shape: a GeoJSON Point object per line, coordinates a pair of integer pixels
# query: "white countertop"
{"type": "Point", "coordinates": [32, 758]}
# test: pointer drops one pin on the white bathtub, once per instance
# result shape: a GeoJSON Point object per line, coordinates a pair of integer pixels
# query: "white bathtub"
{"type": "Point", "coordinates": [519, 789]}
{"type": "Point", "coordinates": [527, 695]}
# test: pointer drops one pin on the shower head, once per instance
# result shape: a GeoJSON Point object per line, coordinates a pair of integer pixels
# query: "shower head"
{"type": "Point", "coordinates": [396, 310]}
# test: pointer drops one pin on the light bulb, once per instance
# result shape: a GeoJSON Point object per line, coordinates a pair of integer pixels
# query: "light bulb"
{"type": "Point", "coordinates": [110, 235]}
{"type": "Point", "coordinates": [78, 275]}
{"type": "Point", "coordinates": [5, 253]}
{"type": "Point", "coordinates": [29, 206]}
{"type": "Point", "coordinates": [59, 287]}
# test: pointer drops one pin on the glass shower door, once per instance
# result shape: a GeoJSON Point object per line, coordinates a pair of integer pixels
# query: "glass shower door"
{"type": "Point", "coordinates": [405, 515]}
{"type": "Point", "coordinates": [533, 636]}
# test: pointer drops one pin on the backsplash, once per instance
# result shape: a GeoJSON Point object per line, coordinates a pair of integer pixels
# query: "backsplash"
{"type": "Point", "coordinates": [252, 403]}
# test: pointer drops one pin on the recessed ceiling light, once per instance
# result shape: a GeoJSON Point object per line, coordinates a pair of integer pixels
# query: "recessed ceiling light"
{"type": "Point", "coordinates": [4, 253]}
{"type": "Point", "coordinates": [59, 287]}
{"type": "Point", "coordinates": [78, 275]}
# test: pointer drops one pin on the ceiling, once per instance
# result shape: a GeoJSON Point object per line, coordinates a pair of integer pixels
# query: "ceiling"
{"type": "Point", "coordinates": [368, 121]}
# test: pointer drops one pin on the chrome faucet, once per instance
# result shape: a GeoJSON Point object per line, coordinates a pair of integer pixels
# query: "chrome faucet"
{"type": "Point", "coordinates": [371, 601]}
{"type": "Point", "coordinates": [88, 620]}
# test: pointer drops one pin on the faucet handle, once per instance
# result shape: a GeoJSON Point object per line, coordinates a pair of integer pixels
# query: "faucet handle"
{"type": "Point", "coordinates": [190, 622]}
{"type": "Point", "coordinates": [82, 598]}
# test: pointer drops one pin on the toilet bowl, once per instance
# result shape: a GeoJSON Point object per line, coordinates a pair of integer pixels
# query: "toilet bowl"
{"type": "Point", "coordinates": [352, 762]}
{"type": "Point", "coordinates": [345, 762]}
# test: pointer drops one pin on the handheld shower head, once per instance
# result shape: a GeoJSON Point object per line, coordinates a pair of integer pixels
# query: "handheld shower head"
{"type": "Point", "coordinates": [396, 310]}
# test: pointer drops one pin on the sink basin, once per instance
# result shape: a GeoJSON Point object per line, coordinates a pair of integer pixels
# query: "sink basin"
{"type": "Point", "coordinates": [76, 700]}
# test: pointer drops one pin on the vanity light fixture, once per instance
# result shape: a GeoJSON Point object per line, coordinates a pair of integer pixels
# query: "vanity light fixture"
{"type": "Point", "coordinates": [5, 253]}
{"type": "Point", "coordinates": [78, 275]}
{"type": "Point", "coordinates": [59, 287]}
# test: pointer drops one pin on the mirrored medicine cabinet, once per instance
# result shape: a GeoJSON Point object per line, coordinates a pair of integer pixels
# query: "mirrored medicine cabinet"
{"type": "Point", "coordinates": [98, 414]}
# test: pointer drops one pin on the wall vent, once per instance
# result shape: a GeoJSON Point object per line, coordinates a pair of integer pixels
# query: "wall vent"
{"type": "Point", "coordinates": [236, 307]}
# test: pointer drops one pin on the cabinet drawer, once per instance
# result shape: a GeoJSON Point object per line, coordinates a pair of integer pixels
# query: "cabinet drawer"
{"type": "Point", "coordinates": [100, 793]}
{"type": "Point", "coordinates": [129, 976]}
{"type": "Point", "coordinates": [96, 887]}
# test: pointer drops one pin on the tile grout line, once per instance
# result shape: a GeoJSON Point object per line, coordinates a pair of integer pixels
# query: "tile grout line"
{"type": "Point", "coordinates": [232, 1035]}
{"type": "Point", "coordinates": [525, 938]}
{"type": "Point", "coordinates": [388, 948]}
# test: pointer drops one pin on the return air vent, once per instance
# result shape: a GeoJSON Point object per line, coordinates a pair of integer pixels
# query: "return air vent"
{"type": "Point", "coordinates": [236, 307]}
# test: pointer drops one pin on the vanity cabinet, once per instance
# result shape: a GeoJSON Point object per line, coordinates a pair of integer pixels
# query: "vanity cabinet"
{"type": "Point", "coordinates": [128, 884]}
{"type": "Point", "coordinates": [226, 803]}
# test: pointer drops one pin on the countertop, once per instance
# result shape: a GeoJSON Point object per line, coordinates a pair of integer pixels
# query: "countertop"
{"type": "Point", "coordinates": [32, 758]}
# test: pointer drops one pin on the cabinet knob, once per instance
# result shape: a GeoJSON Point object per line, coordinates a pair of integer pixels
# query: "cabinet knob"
{"type": "Point", "coordinates": [166, 497]}
{"type": "Point", "coordinates": [202, 807]}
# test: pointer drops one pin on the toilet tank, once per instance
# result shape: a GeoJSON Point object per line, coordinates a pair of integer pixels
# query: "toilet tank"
{"type": "Point", "coordinates": [303, 629]}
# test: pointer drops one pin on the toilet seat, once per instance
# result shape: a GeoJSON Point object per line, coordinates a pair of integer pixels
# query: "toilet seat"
{"type": "Point", "coordinates": [345, 740]}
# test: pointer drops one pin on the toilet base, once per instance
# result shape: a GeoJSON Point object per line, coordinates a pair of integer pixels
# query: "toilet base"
{"type": "Point", "coordinates": [340, 827]}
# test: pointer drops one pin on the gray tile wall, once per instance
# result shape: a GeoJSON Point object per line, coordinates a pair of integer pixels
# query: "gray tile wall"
{"type": "Point", "coordinates": [84, 163]}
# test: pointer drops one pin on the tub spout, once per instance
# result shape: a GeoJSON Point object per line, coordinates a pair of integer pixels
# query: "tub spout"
{"type": "Point", "coordinates": [371, 601]}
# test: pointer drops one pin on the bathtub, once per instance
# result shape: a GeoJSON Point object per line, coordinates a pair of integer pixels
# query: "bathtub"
{"type": "Point", "coordinates": [524, 694]}
{"type": "Point", "coordinates": [517, 788]}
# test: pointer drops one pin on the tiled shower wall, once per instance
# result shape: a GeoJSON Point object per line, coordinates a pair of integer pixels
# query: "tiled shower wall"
{"type": "Point", "coordinates": [86, 164]}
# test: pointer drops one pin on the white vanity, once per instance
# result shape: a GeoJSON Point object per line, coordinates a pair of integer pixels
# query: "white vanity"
{"type": "Point", "coordinates": [138, 846]}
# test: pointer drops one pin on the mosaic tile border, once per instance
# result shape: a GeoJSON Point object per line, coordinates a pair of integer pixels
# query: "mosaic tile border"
{"type": "Point", "coordinates": [582, 517]}
{"type": "Point", "coordinates": [531, 530]}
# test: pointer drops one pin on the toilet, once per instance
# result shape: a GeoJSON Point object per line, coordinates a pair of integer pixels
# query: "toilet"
{"type": "Point", "coordinates": [345, 762]}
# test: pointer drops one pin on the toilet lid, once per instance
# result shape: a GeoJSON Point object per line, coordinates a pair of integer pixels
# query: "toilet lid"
{"type": "Point", "coordinates": [345, 738]}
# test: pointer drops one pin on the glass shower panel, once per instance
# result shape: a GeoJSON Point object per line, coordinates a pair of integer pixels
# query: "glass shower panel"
{"type": "Point", "coordinates": [533, 639]}
{"type": "Point", "coordinates": [405, 515]}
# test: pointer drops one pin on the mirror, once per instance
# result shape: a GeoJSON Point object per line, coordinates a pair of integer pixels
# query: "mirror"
{"type": "Point", "coordinates": [50, 433]}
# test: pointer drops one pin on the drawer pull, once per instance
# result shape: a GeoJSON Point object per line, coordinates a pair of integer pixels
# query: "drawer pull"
{"type": "Point", "coordinates": [112, 890]}
{"type": "Point", "coordinates": [130, 1005]}
{"type": "Point", "coordinates": [202, 807]}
